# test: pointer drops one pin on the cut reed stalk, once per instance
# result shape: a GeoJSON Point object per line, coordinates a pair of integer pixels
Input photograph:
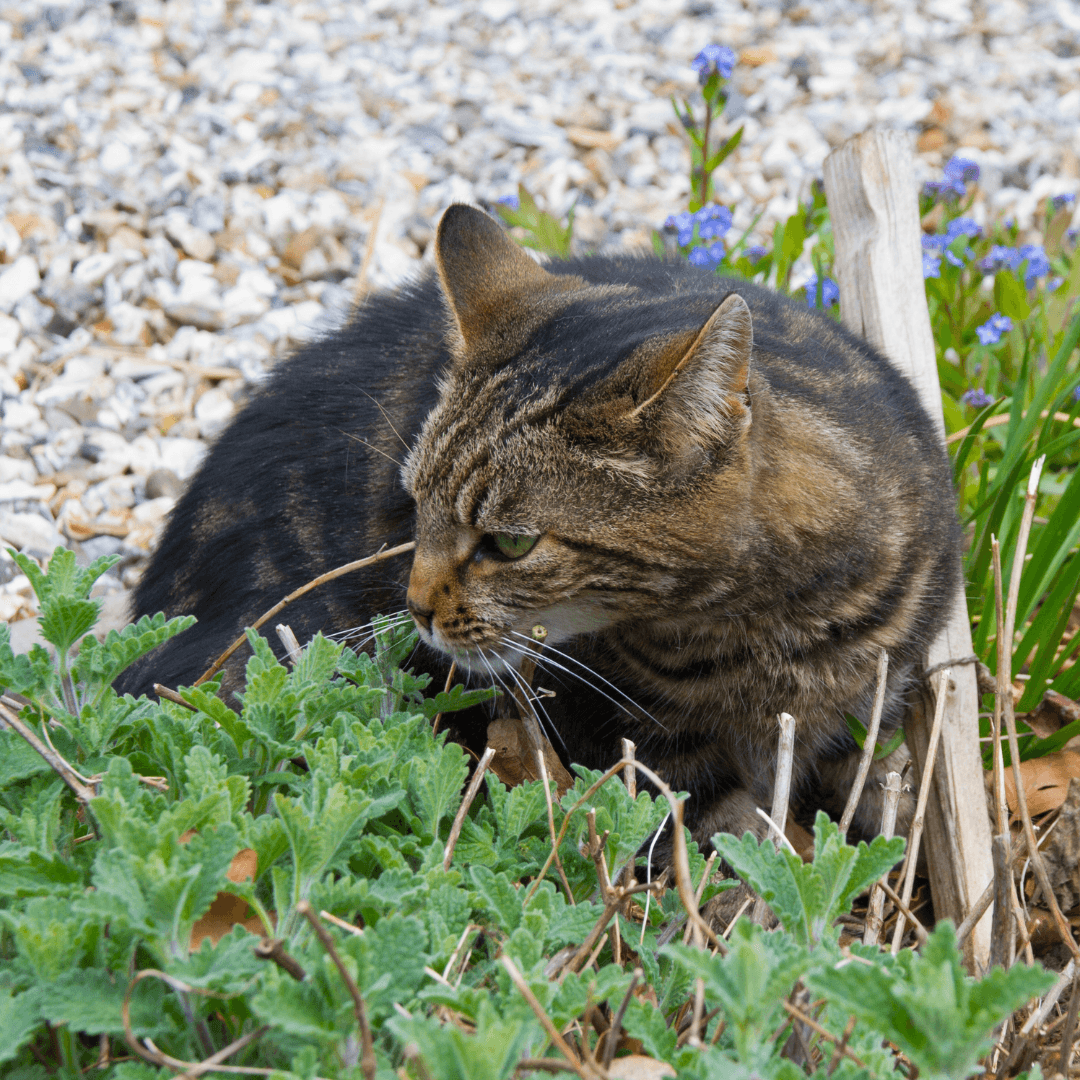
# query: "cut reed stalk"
{"type": "Point", "coordinates": [785, 755]}
{"type": "Point", "coordinates": [1007, 631]}
{"type": "Point", "coordinates": [915, 838]}
{"type": "Point", "coordinates": [869, 746]}
{"type": "Point", "coordinates": [876, 907]}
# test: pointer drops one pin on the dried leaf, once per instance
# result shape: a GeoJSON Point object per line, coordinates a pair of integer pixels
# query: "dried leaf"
{"type": "Point", "coordinates": [638, 1067]}
{"type": "Point", "coordinates": [1046, 781]}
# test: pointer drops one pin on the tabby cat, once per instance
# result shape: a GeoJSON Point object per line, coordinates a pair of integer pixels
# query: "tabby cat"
{"type": "Point", "coordinates": [720, 504]}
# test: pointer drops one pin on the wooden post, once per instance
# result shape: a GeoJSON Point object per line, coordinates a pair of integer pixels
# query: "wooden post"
{"type": "Point", "coordinates": [873, 203]}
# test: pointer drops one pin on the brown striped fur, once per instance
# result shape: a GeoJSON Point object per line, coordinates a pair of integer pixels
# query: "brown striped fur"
{"type": "Point", "coordinates": [737, 503]}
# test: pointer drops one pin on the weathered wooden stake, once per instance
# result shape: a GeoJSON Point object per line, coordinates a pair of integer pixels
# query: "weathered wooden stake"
{"type": "Point", "coordinates": [873, 203]}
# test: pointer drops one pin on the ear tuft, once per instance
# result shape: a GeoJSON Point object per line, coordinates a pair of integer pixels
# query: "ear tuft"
{"type": "Point", "coordinates": [702, 398]}
{"type": "Point", "coordinates": [484, 274]}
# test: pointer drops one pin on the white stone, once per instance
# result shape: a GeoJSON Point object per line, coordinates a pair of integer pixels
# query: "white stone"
{"type": "Point", "coordinates": [213, 411]}
{"type": "Point", "coordinates": [16, 469]}
{"type": "Point", "coordinates": [29, 531]}
{"type": "Point", "coordinates": [10, 329]}
{"type": "Point", "coordinates": [18, 280]}
{"type": "Point", "coordinates": [181, 455]}
{"type": "Point", "coordinates": [19, 415]}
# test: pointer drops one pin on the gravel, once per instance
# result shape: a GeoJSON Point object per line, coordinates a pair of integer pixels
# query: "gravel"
{"type": "Point", "coordinates": [189, 190]}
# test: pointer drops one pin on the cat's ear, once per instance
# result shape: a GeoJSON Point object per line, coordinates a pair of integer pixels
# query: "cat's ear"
{"type": "Point", "coordinates": [485, 276]}
{"type": "Point", "coordinates": [700, 394]}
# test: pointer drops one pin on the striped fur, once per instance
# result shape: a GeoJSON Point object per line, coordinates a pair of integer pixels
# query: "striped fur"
{"type": "Point", "coordinates": [737, 503]}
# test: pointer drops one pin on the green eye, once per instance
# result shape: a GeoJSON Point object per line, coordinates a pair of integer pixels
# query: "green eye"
{"type": "Point", "coordinates": [514, 545]}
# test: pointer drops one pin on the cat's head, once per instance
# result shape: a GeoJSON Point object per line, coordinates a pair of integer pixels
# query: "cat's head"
{"type": "Point", "coordinates": [580, 427]}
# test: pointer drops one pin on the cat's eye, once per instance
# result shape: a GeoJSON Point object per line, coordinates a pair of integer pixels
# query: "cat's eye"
{"type": "Point", "coordinates": [514, 545]}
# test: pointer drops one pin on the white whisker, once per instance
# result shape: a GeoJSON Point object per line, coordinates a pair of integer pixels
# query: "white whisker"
{"type": "Point", "coordinates": [544, 658]}
{"type": "Point", "coordinates": [534, 699]}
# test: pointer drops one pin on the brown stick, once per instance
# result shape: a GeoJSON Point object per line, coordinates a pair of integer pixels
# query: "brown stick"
{"type": "Point", "coordinates": [1069, 1033]}
{"type": "Point", "coordinates": [149, 1052]}
{"type": "Point", "coordinates": [1000, 421]}
{"type": "Point", "coordinates": [552, 1031]}
{"type": "Point", "coordinates": [1002, 933]}
{"type": "Point", "coordinates": [920, 806]}
{"type": "Point", "coordinates": [368, 1063]}
{"type": "Point", "coordinates": [446, 690]}
{"type": "Point", "coordinates": [273, 949]}
{"type": "Point", "coordinates": [463, 809]}
{"type": "Point", "coordinates": [1002, 690]}
{"type": "Point", "coordinates": [322, 579]}
{"type": "Point", "coordinates": [797, 1014]}
{"type": "Point", "coordinates": [612, 1037]}
{"type": "Point", "coordinates": [891, 893]}
{"type": "Point", "coordinates": [66, 773]}
{"type": "Point", "coordinates": [869, 746]}
{"type": "Point", "coordinates": [171, 695]}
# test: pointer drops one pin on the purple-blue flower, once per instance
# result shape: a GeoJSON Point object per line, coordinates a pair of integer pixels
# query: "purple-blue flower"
{"type": "Point", "coordinates": [755, 253]}
{"type": "Point", "coordinates": [953, 259]}
{"type": "Point", "coordinates": [718, 58]}
{"type": "Point", "coordinates": [962, 226]}
{"type": "Point", "coordinates": [1076, 393]}
{"type": "Point", "coordinates": [1038, 265]}
{"type": "Point", "coordinates": [957, 171]}
{"type": "Point", "coordinates": [931, 265]}
{"type": "Point", "coordinates": [510, 201]}
{"type": "Point", "coordinates": [1065, 199]}
{"type": "Point", "coordinates": [711, 222]}
{"type": "Point", "coordinates": [830, 292]}
{"type": "Point", "coordinates": [684, 224]}
{"type": "Point", "coordinates": [990, 332]}
{"type": "Point", "coordinates": [977, 398]}
{"type": "Point", "coordinates": [707, 257]}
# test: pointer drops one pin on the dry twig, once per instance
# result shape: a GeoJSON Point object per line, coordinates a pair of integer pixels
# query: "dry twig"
{"type": "Point", "coordinates": [876, 906]}
{"type": "Point", "coordinates": [920, 806]}
{"type": "Point", "coordinates": [367, 1052]}
{"type": "Point", "coordinates": [322, 579]}
{"type": "Point", "coordinates": [463, 809]}
{"type": "Point", "coordinates": [78, 784]}
{"type": "Point", "coordinates": [869, 746]}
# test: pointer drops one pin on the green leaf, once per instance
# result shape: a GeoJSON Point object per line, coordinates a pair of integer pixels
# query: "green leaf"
{"type": "Point", "coordinates": [18, 1022]}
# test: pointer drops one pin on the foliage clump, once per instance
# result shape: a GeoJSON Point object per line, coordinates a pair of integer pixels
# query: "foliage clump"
{"type": "Point", "coordinates": [160, 872]}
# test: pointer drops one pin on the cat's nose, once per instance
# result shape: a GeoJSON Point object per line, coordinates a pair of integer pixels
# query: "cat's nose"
{"type": "Point", "coordinates": [421, 615]}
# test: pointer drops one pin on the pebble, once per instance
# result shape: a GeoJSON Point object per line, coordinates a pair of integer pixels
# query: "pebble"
{"type": "Point", "coordinates": [191, 189]}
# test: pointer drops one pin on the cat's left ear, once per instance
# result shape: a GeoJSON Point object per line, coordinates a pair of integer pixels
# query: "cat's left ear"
{"type": "Point", "coordinates": [701, 394]}
{"type": "Point", "coordinates": [488, 281]}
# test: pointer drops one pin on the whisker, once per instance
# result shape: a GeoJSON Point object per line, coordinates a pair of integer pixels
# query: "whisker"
{"type": "Point", "coordinates": [534, 699]}
{"type": "Point", "coordinates": [386, 415]}
{"type": "Point", "coordinates": [544, 658]}
{"type": "Point", "coordinates": [356, 438]}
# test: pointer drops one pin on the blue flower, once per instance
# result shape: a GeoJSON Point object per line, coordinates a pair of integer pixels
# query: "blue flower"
{"type": "Point", "coordinates": [701, 257]}
{"type": "Point", "coordinates": [1066, 199]}
{"type": "Point", "coordinates": [755, 253]}
{"type": "Point", "coordinates": [718, 58]}
{"type": "Point", "coordinates": [957, 171]}
{"type": "Point", "coordinates": [932, 243]}
{"type": "Point", "coordinates": [931, 265]}
{"type": "Point", "coordinates": [1000, 256]}
{"type": "Point", "coordinates": [953, 259]}
{"type": "Point", "coordinates": [977, 398]}
{"type": "Point", "coordinates": [962, 226]}
{"type": "Point", "coordinates": [1054, 283]}
{"type": "Point", "coordinates": [1076, 393]}
{"type": "Point", "coordinates": [683, 224]}
{"type": "Point", "coordinates": [830, 292]}
{"type": "Point", "coordinates": [1038, 265]}
{"type": "Point", "coordinates": [511, 201]}
{"type": "Point", "coordinates": [990, 332]}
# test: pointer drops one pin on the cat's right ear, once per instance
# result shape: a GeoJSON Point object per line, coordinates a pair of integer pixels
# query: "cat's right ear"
{"type": "Point", "coordinates": [486, 278]}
